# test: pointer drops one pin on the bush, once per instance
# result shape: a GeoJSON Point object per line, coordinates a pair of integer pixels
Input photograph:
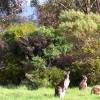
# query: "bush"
{"type": "Point", "coordinates": [48, 77]}
{"type": "Point", "coordinates": [13, 34]}
{"type": "Point", "coordinates": [55, 75]}
{"type": "Point", "coordinates": [8, 37]}
{"type": "Point", "coordinates": [81, 30]}
{"type": "Point", "coordinates": [33, 81]}
{"type": "Point", "coordinates": [31, 84]}
{"type": "Point", "coordinates": [91, 68]}
{"type": "Point", "coordinates": [14, 70]}
{"type": "Point", "coordinates": [23, 29]}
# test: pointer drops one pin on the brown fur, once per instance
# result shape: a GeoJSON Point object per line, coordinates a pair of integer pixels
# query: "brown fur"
{"type": "Point", "coordinates": [95, 90]}
{"type": "Point", "coordinates": [83, 84]}
{"type": "Point", "coordinates": [58, 90]}
{"type": "Point", "coordinates": [63, 85]}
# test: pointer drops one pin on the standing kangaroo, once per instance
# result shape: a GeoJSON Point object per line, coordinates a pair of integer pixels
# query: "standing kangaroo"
{"type": "Point", "coordinates": [61, 88]}
{"type": "Point", "coordinates": [83, 84]}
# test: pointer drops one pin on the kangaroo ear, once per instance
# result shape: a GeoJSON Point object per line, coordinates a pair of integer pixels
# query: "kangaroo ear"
{"type": "Point", "coordinates": [84, 75]}
{"type": "Point", "coordinates": [68, 72]}
{"type": "Point", "coordinates": [65, 72]}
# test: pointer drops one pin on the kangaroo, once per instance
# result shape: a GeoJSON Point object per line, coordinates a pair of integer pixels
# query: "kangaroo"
{"type": "Point", "coordinates": [83, 84]}
{"type": "Point", "coordinates": [61, 88]}
{"type": "Point", "coordinates": [95, 90]}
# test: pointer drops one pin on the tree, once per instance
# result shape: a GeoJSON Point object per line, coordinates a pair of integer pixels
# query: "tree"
{"type": "Point", "coordinates": [51, 9]}
{"type": "Point", "coordinates": [83, 32]}
{"type": "Point", "coordinates": [80, 31]}
{"type": "Point", "coordinates": [12, 6]}
{"type": "Point", "coordinates": [46, 43]}
{"type": "Point", "coordinates": [38, 63]}
{"type": "Point", "coordinates": [9, 10]}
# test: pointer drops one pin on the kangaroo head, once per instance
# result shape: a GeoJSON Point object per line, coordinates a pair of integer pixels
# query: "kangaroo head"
{"type": "Point", "coordinates": [66, 74]}
{"type": "Point", "coordinates": [84, 78]}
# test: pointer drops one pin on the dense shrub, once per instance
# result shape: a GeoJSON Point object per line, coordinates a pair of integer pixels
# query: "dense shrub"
{"type": "Point", "coordinates": [90, 68]}
{"type": "Point", "coordinates": [33, 80]}
{"type": "Point", "coordinates": [49, 77]}
{"type": "Point", "coordinates": [54, 75]}
{"type": "Point", "coordinates": [23, 29]}
{"type": "Point", "coordinates": [12, 60]}
{"type": "Point", "coordinates": [38, 62]}
{"type": "Point", "coordinates": [48, 44]}
{"type": "Point", "coordinates": [8, 38]}
{"type": "Point", "coordinates": [14, 32]}
{"type": "Point", "coordinates": [14, 70]}
{"type": "Point", "coordinates": [30, 82]}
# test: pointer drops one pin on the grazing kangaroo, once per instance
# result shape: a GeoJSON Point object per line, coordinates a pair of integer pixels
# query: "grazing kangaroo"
{"type": "Point", "coordinates": [95, 90]}
{"type": "Point", "coordinates": [61, 88]}
{"type": "Point", "coordinates": [83, 84]}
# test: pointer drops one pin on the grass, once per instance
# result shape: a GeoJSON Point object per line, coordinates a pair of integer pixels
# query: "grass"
{"type": "Point", "coordinates": [22, 93]}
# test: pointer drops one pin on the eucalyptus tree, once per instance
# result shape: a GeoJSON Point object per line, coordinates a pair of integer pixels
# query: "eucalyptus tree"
{"type": "Point", "coordinates": [11, 6]}
{"type": "Point", "coordinates": [9, 10]}
{"type": "Point", "coordinates": [83, 32]}
{"type": "Point", "coordinates": [50, 10]}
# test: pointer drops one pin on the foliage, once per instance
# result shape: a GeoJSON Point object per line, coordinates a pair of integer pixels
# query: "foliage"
{"type": "Point", "coordinates": [50, 10]}
{"type": "Point", "coordinates": [48, 44]}
{"type": "Point", "coordinates": [45, 41]}
{"type": "Point", "coordinates": [76, 22]}
{"type": "Point", "coordinates": [40, 39]}
{"type": "Point", "coordinates": [38, 62]}
{"type": "Point", "coordinates": [20, 30]}
{"type": "Point", "coordinates": [8, 37]}
{"type": "Point", "coordinates": [83, 31]}
{"type": "Point", "coordinates": [2, 49]}
{"type": "Point", "coordinates": [51, 51]}
{"type": "Point", "coordinates": [12, 6]}
{"type": "Point", "coordinates": [15, 70]}
{"type": "Point", "coordinates": [23, 29]}
{"type": "Point", "coordinates": [36, 44]}
{"type": "Point", "coordinates": [9, 11]}
{"type": "Point", "coordinates": [79, 29]}
{"type": "Point", "coordinates": [90, 68]}
{"type": "Point", "coordinates": [13, 34]}
{"type": "Point", "coordinates": [33, 80]}
{"type": "Point", "coordinates": [30, 82]}
{"type": "Point", "coordinates": [54, 75]}
{"type": "Point", "coordinates": [48, 77]}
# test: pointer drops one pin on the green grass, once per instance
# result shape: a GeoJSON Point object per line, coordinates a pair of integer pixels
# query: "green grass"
{"type": "Point", "coordinates": [22, 93]}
